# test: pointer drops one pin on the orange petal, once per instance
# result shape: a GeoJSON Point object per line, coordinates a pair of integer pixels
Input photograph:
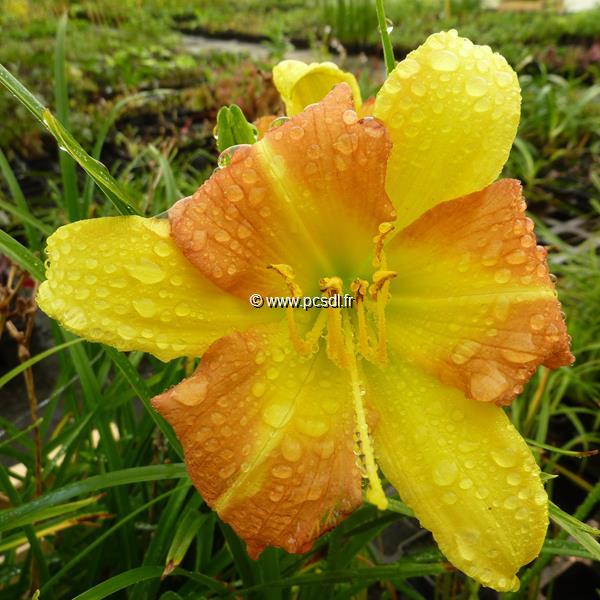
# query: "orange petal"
{"type": "Point", "coordinates": [268, 441]}
{"type": "Point", "coordinates": [263, 123]}
{"type": "Point", "coordinates": [474, 302]}
{"type": "Point", "coordinates": [310, 194]}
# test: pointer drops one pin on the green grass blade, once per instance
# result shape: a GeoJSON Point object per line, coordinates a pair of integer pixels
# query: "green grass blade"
{"type": "Point", "coordinates": [100, 538]}
{"type": "Point", "coordinates": [21, 208]}
{"type": "Point", "coordinates": [61, 95]}
{"type": "Point", "coordinates": [141, 389]}
{"type": "Point", "coordinates": [21, 256]}
{"type": "Point", "coordinates": [184, 536]}
{"type": "Point", "coordinates": [110, 187]}
{"type": "Point", "coordinates": [580, 531]}
{"type": "Point", "coordinates": [99, 173]}
{"type": "Point", "coordinates": [34, 360]}
{"type": "Point", "coordinates": [53, 511]}
{"type": "Point", "coordinates": [120, 582]}
{"type": "Point", "coordinates": [88, 190]}
{"type": "Point", "coordinates": [92, 484]}
{"type": "Point", "coordinates": [30, 223]}
{"type": "Point", "coordinates": [22, 94]}
{"type": "Point", "coordinates": [173, 194]}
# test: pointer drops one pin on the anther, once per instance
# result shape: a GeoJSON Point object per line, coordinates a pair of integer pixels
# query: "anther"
{"type": "Point", "coordinates": [288, 276]}
{"type": "Point", "coordinates": [331, 285]}
{"type": "Point", "coordinates": [336, 350]}
{"type": "Point", "coordinates": [380, 278]}
{"type": "Point", "coordinates": [379, 258]}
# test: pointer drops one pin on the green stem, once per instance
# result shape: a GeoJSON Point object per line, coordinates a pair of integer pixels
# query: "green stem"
{"type": "Point", "coordinates": [388, 50]}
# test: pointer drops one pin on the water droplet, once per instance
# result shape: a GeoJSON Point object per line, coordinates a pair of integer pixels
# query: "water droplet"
{"type": "Point", "coordinates": [182, 309]}
{"type": "Point", "coordinates": [291, 449]}
{"type": "Point", "coordinates": [145, 307]}
{"type": "Point", "coordinates": [234, 193]}
{"type": "Point", "coordinates": [145, 271]}
{"type": "Point", "coordinates": [464, 351]}
{"type": "Point", "coordinates": [503, 78]}
{"type": "Point", "coordinates": [346, 143]}
{"type": "Point", "coordinates": [445, 472]}
{"type": "Point", "coordinates": [222, 236]}
{"type": "Point", "coordinates": [217, 418]}
{"type": "Point", "coordinates": [389, 26]}
{"type": "Point", "coordinates": [443, 60]}
{"type": "Point", "coordinates": [522, 514]}
{"type": "Point", "coordinates": [482, 493]}
{"type": "Point", "coordinates": [226, 471]}
{"type": "Point", "coordinates": [505, 457]}
{"type": "Point", "coordinates": [276, 415]}
{"type": "Point", "coordinates": [527, 241]}
{"type": "Point", "coordinates": [537, 322]}
{"type": "Point", "coordinates": [314, 151]}
{"type": "Point", "coordinates": [482, 105]}
{"type": "Point", "coordinates": [502, 275]}
{"type": "Point", "coordinates": [276, 495]}
{"type": "Point", "coordinates": [314, 493]}
{"type": "Point", "coordinates": [516, 257]}
{"type": "Point", "coordinates": [162, 248]}
{"type": "Point", "coordinates": [259, 388]}
{"type": "Point", "coordinates": [349, 117]}
{"type": "Point", "coordinates": [226, 156]}
{"type": "Point", "coordinates": [513, 478]}
{"type": "Point", "coordinates": [278, 122]}
{"type": "Point", "coordinates": [296, 132]}
{"type": "Point", "coordinates": [312, 427]}
{"type": "Point", "coordinates": [282, 471]}
{"type": "Point", "coordinates": [449, 498]}
{"type": "Point", "coordinates": [477, 87]}
{"type": "Point", "coordinates": [468, 544]}
{"type": "Point", "coordinates": [418, 88]}
{"type": "Point", "coordinates": [465, 484]}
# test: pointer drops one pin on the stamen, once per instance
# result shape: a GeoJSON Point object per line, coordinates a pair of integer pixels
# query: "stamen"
{"type": "Point", "coordinates": [304, 347]}
{"type": "Point", "coordinates": [335, 340]}
{"type": "Point", "coordinates": [379, 261]}
{"type": "Point", "coordinates": [288, 276]}
{"type": "Point", "coordinates": [359, 289]}
{"type": "Point", "coordinates": [380, 291]}
{"type": "Point", "coordinates": [374, 492]}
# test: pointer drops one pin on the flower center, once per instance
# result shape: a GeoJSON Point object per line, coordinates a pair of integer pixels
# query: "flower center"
{"type": "Point", "coordinates": [351, 333]}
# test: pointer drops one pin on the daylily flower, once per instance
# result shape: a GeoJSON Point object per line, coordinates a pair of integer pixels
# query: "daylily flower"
{"type": "Point", "coordinates": [454, 310]}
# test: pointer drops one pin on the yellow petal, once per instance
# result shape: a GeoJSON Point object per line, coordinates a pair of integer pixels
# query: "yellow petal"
{"type": "Point", "coordinates": [268, 439]}
{"type": "Point", "coordinates": [452, 109]}
{"type": "Point", "coordinates": [463, 468]}
{"type": "Point", "coordinates": [300, 84]}
{"type": "Point", "coordinates": [474, 303]}
{"type": "Point", "coordinates": [122, 281]}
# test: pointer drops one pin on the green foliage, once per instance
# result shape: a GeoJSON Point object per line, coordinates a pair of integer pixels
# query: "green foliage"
{"type": "Point", "coordinates": [233, 128]}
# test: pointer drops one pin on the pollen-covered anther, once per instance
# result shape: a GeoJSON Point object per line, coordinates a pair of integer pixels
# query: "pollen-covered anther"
{"type": "Point", "coordinates": [303, 345]}
{"type": "Point", "coordinates": [380, 278]}
{"type": "Point", "coordinates": [336, 348]}
{"type": "Point", "coordinates": [289, 277]}
{"type": "Point", "coordinates": [359, 288]}
{"type": "Point", "coordinates": [331, 286]}
{"type": "Point", "coordinates": [379, 240]}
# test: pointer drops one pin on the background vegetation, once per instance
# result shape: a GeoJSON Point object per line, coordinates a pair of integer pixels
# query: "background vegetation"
{"type": "Point", "coordinates": [95, 499]}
